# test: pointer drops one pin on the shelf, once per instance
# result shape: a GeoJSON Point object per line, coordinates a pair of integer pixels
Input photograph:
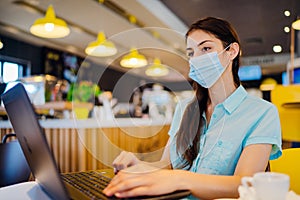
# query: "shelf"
{"type": "Point", "coordinates": [58, 105]}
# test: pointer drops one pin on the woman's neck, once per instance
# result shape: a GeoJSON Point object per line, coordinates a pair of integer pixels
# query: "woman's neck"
{"type": "Point", "coordinates": [221, 90]}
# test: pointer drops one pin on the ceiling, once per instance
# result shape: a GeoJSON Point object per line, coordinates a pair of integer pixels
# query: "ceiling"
{"type": "Point", "coordinates": [259, 23]}
{"type": "Point", "coordinates": [159, 27]}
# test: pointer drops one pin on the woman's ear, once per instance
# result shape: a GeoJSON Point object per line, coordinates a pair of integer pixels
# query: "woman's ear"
{"type": "Point", "coordinates": [234, 50]}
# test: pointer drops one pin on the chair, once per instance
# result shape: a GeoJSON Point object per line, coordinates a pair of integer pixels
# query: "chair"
{"type": "Point", "coordinates": [288, 163]}
{"type": "Point", "coordinates": [287, 100]}
{"type": "Point", "coordinates": [13, 165]}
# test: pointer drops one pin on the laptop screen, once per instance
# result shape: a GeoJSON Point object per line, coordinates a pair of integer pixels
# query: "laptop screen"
{"type": "Point", "coordinates": [33, 141]}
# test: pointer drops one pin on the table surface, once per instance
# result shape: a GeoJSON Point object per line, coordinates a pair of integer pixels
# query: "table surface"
{"type": "Point", "coordinates": [25, 191]}
{"type": "Point", "coordinates": [32, 191]}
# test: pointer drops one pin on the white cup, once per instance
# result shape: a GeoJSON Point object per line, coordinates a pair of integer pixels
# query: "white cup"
{"type": "Point", "coordinates": [268, 185]}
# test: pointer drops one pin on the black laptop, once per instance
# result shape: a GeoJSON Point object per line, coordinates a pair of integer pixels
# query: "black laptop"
{"type": "Point", "coordinates": [78, 185]}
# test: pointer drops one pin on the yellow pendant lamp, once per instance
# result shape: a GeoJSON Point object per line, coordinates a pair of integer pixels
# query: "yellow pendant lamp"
{"type": "Point", "coordinates": [157, 69]}
{"type": "Point", "coordinates": [101, 47]}
{"type": "Point", "coordinates": [133, 59]}
{"type": "Point", "coordinates": [50, 26]}
{"type": "Point", "coordinates": [1, 44]}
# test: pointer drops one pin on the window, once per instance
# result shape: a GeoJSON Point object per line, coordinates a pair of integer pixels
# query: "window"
{"type": "Point", "coordinates": [12, 69]}
{"type": "Point", "coordinates": [11, 72]}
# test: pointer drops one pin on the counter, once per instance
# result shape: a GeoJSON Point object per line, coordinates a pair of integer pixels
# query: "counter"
{"type": "Point", "coordinates": [89, 144]}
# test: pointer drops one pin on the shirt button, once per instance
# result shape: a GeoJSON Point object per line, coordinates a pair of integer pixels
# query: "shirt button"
{"type": "Point", "coordinates": [220, 143]}
{"type": "Point", "coordinates": [214, 115]}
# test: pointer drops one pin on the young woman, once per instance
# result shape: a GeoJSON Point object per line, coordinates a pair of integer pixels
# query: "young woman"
{"type": "Point", "coordinates": [217, 137]}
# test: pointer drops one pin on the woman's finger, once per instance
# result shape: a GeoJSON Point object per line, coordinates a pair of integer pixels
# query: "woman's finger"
{"type": "Point", "coordinates": [122, 182]}
{"type": "Point", "coordinates": [119, 163]}
{"type": "Point", "coordinates": [124, 160]}
{"type": "Point", "coordinates": [137, 191]}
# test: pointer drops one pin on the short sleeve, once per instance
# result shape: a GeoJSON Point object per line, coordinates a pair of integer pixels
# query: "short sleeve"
{"type": "Point", "coordinates": [267, 130]}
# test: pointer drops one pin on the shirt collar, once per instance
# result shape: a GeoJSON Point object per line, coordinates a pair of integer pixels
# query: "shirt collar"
{"type": "Point", "coordinates": [235, 99]}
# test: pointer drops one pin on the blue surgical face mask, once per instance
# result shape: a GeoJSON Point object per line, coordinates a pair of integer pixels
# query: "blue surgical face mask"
{"type": "Point", "coordinates": [207, 68]}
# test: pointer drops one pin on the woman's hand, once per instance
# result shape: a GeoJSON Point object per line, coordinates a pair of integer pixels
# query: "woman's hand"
{"type": "Point", "coordinates": [142, 180]}
{"type": "Point", "coordinates": [124, 160]}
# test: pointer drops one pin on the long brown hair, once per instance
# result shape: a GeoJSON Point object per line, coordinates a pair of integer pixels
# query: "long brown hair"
{"type": "Point", "coordinates": [189, 133]}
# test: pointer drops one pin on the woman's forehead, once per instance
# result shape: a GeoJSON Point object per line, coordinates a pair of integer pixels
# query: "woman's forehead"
{"type": "Point", "coordinates": [197, 36]}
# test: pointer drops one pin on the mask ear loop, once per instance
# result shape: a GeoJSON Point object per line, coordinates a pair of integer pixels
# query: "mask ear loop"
{"type": "Point", "coordinates": [226, 48]}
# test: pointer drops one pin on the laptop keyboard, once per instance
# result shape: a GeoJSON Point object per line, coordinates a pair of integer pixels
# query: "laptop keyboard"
{"type": "Point", "coordinates": [90, 183]}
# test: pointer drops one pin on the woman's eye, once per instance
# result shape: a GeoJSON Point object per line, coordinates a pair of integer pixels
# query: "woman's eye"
{"type": "Point", "coordinates": [205, 49]}
{"type": "Point", "coordinates": [190, 54]}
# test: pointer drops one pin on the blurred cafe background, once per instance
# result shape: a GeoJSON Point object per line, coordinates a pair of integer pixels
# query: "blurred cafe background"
{"type": "Point", "coordinates": [118, 67]}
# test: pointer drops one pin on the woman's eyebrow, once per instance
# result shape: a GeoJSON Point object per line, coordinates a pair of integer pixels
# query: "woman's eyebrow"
{"type": "Point", "coordinates": [203, 42]}
{"type": "Point", "coordinates": [189, 48]}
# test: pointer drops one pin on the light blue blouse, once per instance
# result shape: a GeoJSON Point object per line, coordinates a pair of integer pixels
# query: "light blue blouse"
{"type": "Point", "coordinates": [239, 121]}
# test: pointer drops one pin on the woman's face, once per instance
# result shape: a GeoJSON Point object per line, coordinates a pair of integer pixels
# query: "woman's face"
{"type": "Point", "coordinates": [200, 42]}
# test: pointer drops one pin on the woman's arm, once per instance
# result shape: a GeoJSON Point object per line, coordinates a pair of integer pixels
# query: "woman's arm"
{"type": "Point", "coordinates": [254, 158]}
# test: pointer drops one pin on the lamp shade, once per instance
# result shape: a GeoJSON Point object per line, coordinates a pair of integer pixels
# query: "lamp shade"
{"type": "Point", "coordinates": [50, 26]}
{"type": "Point", "coordinates": [1, 44]}
{"type": "Point", "coordinates": [157, 69]}
{"type": "Point", "coordinates": [101, 47]}
{"type": "Point", "coordinates": [296, 24]}
{"type": "Point", "coordinates": [133, 59]}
